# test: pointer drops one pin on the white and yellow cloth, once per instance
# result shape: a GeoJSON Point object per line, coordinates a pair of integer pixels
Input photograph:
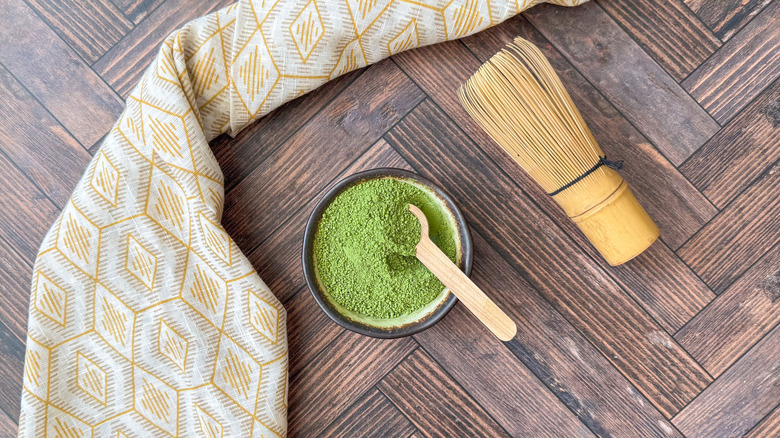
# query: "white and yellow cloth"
{"type": "Point", "coordinates": [145, 318]}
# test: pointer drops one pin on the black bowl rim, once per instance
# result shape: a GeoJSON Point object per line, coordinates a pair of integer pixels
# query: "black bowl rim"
{"type": "Point", "coordinates": [432, 318]}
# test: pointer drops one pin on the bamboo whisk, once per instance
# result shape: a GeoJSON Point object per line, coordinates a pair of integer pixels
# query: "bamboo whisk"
{"type": "Point", "coordinates": [518, 99]}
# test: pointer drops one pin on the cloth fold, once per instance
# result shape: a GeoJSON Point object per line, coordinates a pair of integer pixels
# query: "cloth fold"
{"type": "Point", "coordinates": [145, 318]}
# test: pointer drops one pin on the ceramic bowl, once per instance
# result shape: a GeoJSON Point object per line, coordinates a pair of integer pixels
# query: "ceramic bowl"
{"type": "Point", "coordinates": [396, 327]}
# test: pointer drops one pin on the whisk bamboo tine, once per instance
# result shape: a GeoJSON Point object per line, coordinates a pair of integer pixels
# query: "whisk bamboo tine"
{"type": "Point", "coordinates": [520, 101]}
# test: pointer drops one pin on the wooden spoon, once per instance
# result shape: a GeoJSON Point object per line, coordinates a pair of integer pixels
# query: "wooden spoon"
{"type": "Point", "coordinates": [459, 284]}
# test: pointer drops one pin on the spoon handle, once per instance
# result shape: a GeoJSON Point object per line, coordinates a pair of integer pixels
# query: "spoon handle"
{"type": "Point", "coordinates": [467, 292]}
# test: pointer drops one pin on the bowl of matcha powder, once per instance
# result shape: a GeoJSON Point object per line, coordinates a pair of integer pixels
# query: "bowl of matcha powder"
{"type": "Point", "coordinates": [359, 252]}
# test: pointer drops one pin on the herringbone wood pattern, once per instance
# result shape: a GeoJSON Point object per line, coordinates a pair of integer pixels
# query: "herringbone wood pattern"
{"type": "Point", "coordinates": [684, 340]}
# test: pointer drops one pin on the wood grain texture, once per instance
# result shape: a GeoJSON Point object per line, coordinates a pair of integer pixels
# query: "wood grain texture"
{"type": "Point", "coordinates": [740, 398]}
{"type": "Point", "coordinates": [12, 358]}
{"type": "Point", "coordinates": [37, 143]}
{"type": "Point", "coordinates": [633, 342]}
{"type": "Point", "coordinates": [739, 235]}
{"type": "Point", "coordinates": [25, 213]}
{"type": "Point", "coordinates": [121, 67]}
{"type": "Point", "coordinates": [552, 349]}
{"type": "Point", "coordinates": [371, 414]}
{"type": "Point", "coordinates": [137, 10]}
{"type": "Point", "coordinates": [740, 152]}
{"type": "Point", "coordinates": [726, 17]}
{"type": "Point", "coordinates": [741, 69]}
{"type": "Point", "coordinates": [55, 74]}
{"type": "Point", "coordinates": [679, 46]}
{"type": "Point", "coordinates": [627, 76]}
{"type": "Point", "coordinates": [90, 27]}
{"type": "Point", "coordinates": [738, 318]}
{"type": "Point", "coordinates": [768, 427]}
{"type": "Point", "coordinates": [239, 156]}
{"type": "Point", "coordinates": [352, 122]}
{"type": "Point", "coordinates": [15, 274]}
{"type": "Point", "coordinates": [310, 330]}
{"type": "Point", "coordinates": [7, 426]}
{"type": "Point", "coordinates": [435, 403]}
{"type": "Point", "coordinates": [277, 258]}
{"type": "Point", "coordinates": [673, 299]}
{"type": "Point", "coordinates": [338, 377]}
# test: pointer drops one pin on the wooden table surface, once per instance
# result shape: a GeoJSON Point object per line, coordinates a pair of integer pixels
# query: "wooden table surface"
{"type": "Point", "coordinates": [683, 340]}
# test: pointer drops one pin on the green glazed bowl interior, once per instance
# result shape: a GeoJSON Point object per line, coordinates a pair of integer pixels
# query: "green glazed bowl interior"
{"type": "Point", "coordinates": [404, 325]}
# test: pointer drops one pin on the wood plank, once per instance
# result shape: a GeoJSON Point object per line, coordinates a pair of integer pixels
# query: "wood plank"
{"type": "Point", "coordinates": [238, 156]}
{"type": "Point", "coordinates": [277, 258]}
{"type": "Point", "coordinates": [680, 45]}
{"type": "Point", "coordinates": [55, 74]}
{"type": "Point", "coordinates": [123, 64]}
{"type": "Point", "coordinates": [739, 235]}
{"type": "Point", "coordinates": [338, 377]}
{"type": "Point", "coordinates": [8, 427]}
{"type": "Point", "coordinates": [769, 427]}
{"type": "Point", "coordinates": [37, 143]}
{"type": "Point", "coordinates": [351, 123]}
{"type": "Point", "coordinates": [371, 414]}
{"type": "Point", "coordinates": [434, 402]}
{"type": "Point", "coordinates": [738, 318]}
{"type": "Point", "coordinates": [548, 345]}
{"type": "Point", "coordinates": [137, 10]}
{"type": "Point", "coordinates": [12, 358]}
{"type": "Point", "coordinates": [569, 279]}
{"type": "Point", "coordinates": [726, 17]}
{"type": "Point", "coordinates": [627, 76]}
{"type": "Point", "coordinates": [309, 330]}
{"type": "Point", "coordinates": [90, 27]}
{"type": "Point", "coordinates": [675, 294]}
{"type": "Point", "coordinates": [740, 152]}
{"type": "Point", "coordinates": [15, 275]}
{"type": "Point", "coordinates": [25, 213]}
{"type": "Point", "coordinates": [739, 398]}
{"type": "Point", "coordinates": [741, 69]}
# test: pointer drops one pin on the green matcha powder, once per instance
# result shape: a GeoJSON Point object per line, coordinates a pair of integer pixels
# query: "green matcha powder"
{"type": "Point", "coordinates": [365, 246]}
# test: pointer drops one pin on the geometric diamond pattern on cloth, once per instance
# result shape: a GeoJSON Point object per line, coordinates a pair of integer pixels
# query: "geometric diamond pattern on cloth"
{"type": "Point", "coordinates": [145, 317]}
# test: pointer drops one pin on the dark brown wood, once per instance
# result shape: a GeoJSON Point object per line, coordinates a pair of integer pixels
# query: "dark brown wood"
{"type": "Point", "coordinates": [352, 122]}
{"type": "Point", "coordinates": [121, 67]}
{"type": "Point", "coordinates": [371, 415]}
{"type": "Point", "coordinates": [90, 27]}
{"type": "Point", "coordinates": [435, 403]}
{"type": "Point", "coordinates": [726, 17]}
{"type": "Point", "coordinates": [740, 398]}
{"type": "Point", "coordinates": [741, 69]}
{"type": "Point", "coordinates": [530, 241]}
{"type": "Point", "coordinates": [12, 358]}
{"type": "Point", "coordinates": [15, 275]}
{"type": "Point", "coordinates": [29, 134]}
{"type": "Point", "coordinates": [627, 76]}
{"type": "Point", "coordinates": [550, 348]}
{"type": "Point", "coordinates": [738, 318]}
{"type": "Point", "coordinates": [740, 152]}
{"type": "Point", "coordinates": [768, 427]}
{"type": "Point", "coordinates": [25, 213]}
{"type": "Point", "coordinates": [7, 425]}
{"type": "Point", "coordinates": [137, 10]}
{"type": "Point", "coordinates": [67, 87]}
{"type": "Point", "coordinates": [338, 377]}
{"type": "Point", "coordinates": [679, 46]}
{"type": "Point", "coordinates": [739, 235]}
